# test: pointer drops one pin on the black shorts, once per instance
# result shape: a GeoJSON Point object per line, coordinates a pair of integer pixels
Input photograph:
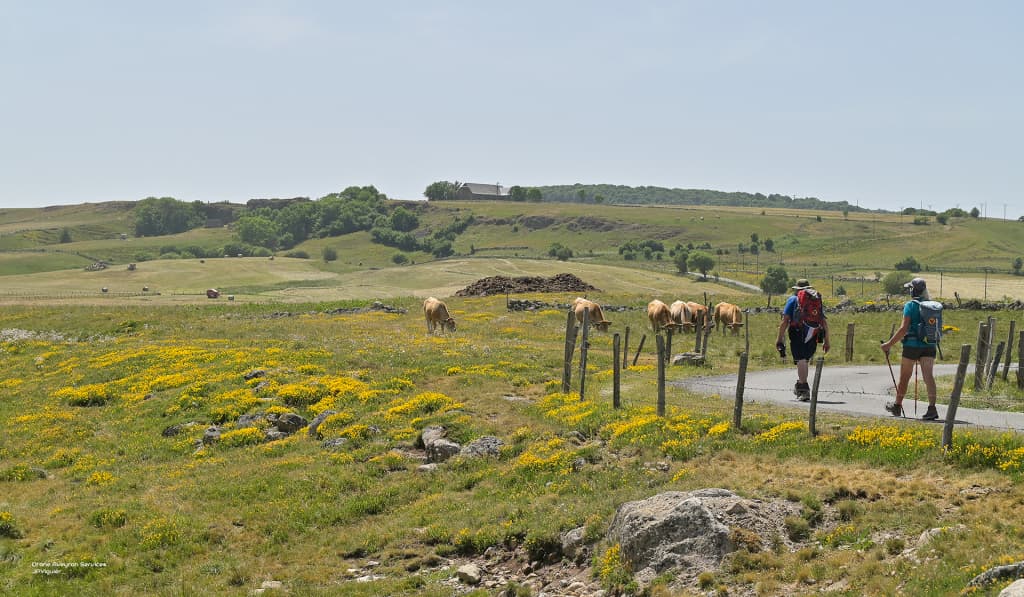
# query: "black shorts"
{"type": "Point", "coordinates": [915, 353]}
{"type": "Point", "coordinates": [802, 351]}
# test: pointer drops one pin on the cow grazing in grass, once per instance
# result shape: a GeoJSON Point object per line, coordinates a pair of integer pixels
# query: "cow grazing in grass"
{"type": "Point", "coordinates": [729, 316]}
{"type": "Point", "coordinates": [660, 316]}
{"type": "Point", "coordinates": [581, 305]}
{"type": "Point", "coordinates": [698, 315]}
{"type": "Point", "coordinates": [436, 313]}
{"type": "Point", "coordinates": [681, 314]}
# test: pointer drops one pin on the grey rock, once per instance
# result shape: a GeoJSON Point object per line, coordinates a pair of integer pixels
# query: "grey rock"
{"type": "Point", "coordinates": [291, 422]}
{"type": "Point", "coordinates": [671, 530]}
{"type": "Point", "coordinates": [442, 450]}
{"type": "Point", "coordinates": [1016, 589]}
{"type": "Point", "coordinates": [430, 435]}
{"type": "Point", "coordinates": [211, 435]}
{"type": "Point", "coordinates": [487, 445]}
{"type": "Point", "coordinates": [337, 442]}
{"type": "Point", "coordinates": [315, 425]}
{"type": "Point", "coordinates": [427, 468]}
{"type": "Point", "coordinates": [573, 544]}
{"type": "Point", "coordinates": [254, 374]}
{"type": "Point", "coordinates": [273, 434]}
{"type": "Point", "coordinates": [248, 421]}
{"type": "Point", "coordinates": [469, 574]}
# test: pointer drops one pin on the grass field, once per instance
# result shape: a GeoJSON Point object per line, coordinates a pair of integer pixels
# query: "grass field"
{"type": "Point", "coordinates": [97, 490]}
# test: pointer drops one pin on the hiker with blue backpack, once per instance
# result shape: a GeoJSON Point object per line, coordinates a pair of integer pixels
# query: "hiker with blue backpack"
{"type": "Point", "coordinates": [804, 322]}
{"type": "Point", "coordinates": [920, 333]}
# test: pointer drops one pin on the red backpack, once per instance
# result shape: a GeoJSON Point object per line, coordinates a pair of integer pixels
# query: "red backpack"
{"type": "Point", "coordinates": [808, 308]}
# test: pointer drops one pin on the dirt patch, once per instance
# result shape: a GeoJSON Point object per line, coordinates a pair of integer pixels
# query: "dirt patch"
{"type": "Point", "coordinates": [502, 284]}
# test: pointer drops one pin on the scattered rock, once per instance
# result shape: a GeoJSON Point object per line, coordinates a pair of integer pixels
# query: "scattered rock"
{"type": "Point", "coordinates": [487, 445]}
{"type": "Point", "coordinates": [211, 435]}
{"type": "Point", "coordinates": [291, 422]}
{"type": "Point", "coordinates": [503, 284]}
{"type": "Point", "coordinates": [315, 425]}
{"type": "Point", "coordinates": [469, 574]}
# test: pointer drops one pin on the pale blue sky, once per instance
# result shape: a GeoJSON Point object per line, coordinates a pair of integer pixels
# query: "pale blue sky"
{"type": "Point", "coordinates": [882, 104]}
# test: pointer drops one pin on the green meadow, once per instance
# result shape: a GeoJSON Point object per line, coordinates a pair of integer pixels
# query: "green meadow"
{"type": "Point", "coordinates": [107, 486]}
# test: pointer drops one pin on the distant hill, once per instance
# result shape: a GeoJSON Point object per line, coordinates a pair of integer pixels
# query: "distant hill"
{"type": "Point", "coordinates": [621, 194]}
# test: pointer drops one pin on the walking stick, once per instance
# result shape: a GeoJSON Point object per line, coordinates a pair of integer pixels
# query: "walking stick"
{"type": "Point", "coordinates": [916, 363]}
{"type": "Point", "coordinates": [895, 386]}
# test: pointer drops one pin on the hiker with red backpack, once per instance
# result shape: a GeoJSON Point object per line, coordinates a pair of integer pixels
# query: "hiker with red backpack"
{"type": "Point", "coordinates": [803, 320]}
{"type": "Point", "coordinates": [920, 333]}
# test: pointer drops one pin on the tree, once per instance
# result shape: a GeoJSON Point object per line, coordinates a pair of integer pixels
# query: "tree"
{"type": "Point", "coordinates": [754, 239]}
{"type": "Point", "coordinates": [399, 258]}
{"type": "Point", "coordinates": [680, 259]}
{"type": "Point", "coordinates": [166, 215]}
{"type": "Point", "coordinates": [892, 283]}
{"type": "Point", "coordinates": [769, 245]}
{"type": "Point", "coordinates": [775, 280]}
{"type": "Point", "coordinates": [517, 193]}
{"type": "Point", "coordinates": [560, 252]}
{"type": "Point", "coordinates": [701, 262]}
{"type": "Point", "coordinates": [975, 212]}
{"type": "Point", "coordinates": [441, 190]}
{"type": "Point", "coordinates": [65, 236]}
{"type": "Point", "coordinates": [1018, 263]}
{"type": "Point", "coordinates": [534, 195]}
{"type": "Point", "coordinates": [403, 220]}
{"type": "Point", "coordinates": [330, 254]}
{"type": "Point", "coordinates": [942, 219]}
{"type": "Point", "coordinates": [909, 264]}
{"type": "Point", "coordinates": [257, 230]}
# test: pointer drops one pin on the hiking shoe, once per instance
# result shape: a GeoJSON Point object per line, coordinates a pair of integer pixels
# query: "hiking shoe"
{"type": "Point", "coordinates": [931, 415]}
{"type": "Point", "coordinates": [802, 391]}
{"type": "Point", "coordinates": [895, 410]}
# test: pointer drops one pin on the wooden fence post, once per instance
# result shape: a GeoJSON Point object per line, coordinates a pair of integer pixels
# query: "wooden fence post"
{"type": "Point", "coordinates": [1020, 361]}
{"type": "Point", "coordinates": [625, 350]}
{"type": "Point", "coordinates": [661, 374]}
{"type": "Point", "coordinates": [954, 398]}
{"type": "Point", "coordinates": [849, 341]}
{"type": "Point", "coordinates": [584, 346]}
{"type": "Point", "coordinates": [639, 348]}
{"type": "Point", "coordinates": [995, 365]}
{"type": "Point", "coordinates": [741, 379]}
{"type": "Point", "coordinates": [812, 418]}
{"type": "Point", "coordinates": [570, 347]}
{"type": "Point", "coordinates": [616, 399]}
{"type": "Point", "coordinates": [668, 344]}
{"type": "Point", "coordinates": [979, 357]}
{"type": "Point", "coordinates": [704, 347]}
{"type": "Point", "coordinates": [989, 344]}
{"type": "Point", "coordinates": [1009, 349]}
{"type": "Point", "coordinates": [746, 330]}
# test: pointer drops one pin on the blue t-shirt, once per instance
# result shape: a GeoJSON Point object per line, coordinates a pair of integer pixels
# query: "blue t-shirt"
{"type": "Point", "coordinates": [790, 308]}
{"type": "Point", "coordinates": [913, 310]}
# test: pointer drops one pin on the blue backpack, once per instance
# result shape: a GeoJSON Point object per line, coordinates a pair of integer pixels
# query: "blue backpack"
{"type": "Point", "coordinates": [929, 330]}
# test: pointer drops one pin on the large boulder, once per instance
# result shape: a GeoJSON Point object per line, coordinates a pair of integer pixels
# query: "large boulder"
{"type": "Point", "coordinates": [671, 530]}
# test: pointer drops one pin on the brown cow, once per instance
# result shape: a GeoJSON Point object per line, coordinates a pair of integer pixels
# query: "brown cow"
{"type": "Point", "coordinates": [680, 314]}
{"type": "Point", "coordinates": [581, 305]}
{"type": "Point", "coordinates": [660, 316]}
{"type": "Point", "coordinates": [698, 314]}
{"type": "Point", "coordinates": [729, 316]}
{"type": "Point", "coordinates": [436, 312]}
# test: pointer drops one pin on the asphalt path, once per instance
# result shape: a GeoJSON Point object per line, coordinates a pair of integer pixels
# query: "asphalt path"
{"type": "Point", "coordinates": [859, 390]}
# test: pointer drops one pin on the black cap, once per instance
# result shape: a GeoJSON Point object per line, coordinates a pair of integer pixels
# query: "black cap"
{"type": "Point", "coordinates": [916, 286]}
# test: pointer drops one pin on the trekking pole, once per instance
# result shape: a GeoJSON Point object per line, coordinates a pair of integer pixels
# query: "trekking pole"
{"type": "Point", "coordinates": [916, 363]}
{"type": "Point", "coordinates": [895, 386]}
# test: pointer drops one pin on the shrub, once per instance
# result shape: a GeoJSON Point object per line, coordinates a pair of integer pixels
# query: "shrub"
{"type": "Point", "coordinates": [7, 526]}
{"type": "Point", "coordinates": [330, 254]}
{"type": "Point", "coordinates": [297, 254]}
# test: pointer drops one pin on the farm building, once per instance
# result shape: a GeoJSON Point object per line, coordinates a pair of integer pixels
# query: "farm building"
{"type": "Point", "coordinates": [475, 190]}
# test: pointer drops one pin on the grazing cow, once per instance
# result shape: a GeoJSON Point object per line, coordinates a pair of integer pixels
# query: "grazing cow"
{"type": "Point", "coordinates": [698, 314]}
{"type": "Point", "coordinates": [729, 316]}
{"type": "Point", "coordinates": [436, 312]}
{"type": "Point", "coordinates": [681, 314]}
{"type": "Point", "coordinates": [660, 316]}
{"type": "Point", "coordinates": [581, 305]}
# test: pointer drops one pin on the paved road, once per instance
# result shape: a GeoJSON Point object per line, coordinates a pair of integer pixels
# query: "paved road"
{"type": "Point", "coordinates": [860, 390]}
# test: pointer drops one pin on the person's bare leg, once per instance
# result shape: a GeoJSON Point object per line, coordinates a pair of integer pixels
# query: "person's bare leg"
{"type": "Point", "coordinates": [927, 372]}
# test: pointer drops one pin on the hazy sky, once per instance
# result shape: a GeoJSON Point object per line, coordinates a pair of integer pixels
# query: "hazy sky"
{"type": "Point", "coordinates": [882, 104]}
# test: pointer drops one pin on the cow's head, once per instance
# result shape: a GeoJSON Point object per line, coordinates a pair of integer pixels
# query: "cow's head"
{"type": "Point", "coordinates": [602, 325]}
{"type": "Point", "coordinates": [448, 324]}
